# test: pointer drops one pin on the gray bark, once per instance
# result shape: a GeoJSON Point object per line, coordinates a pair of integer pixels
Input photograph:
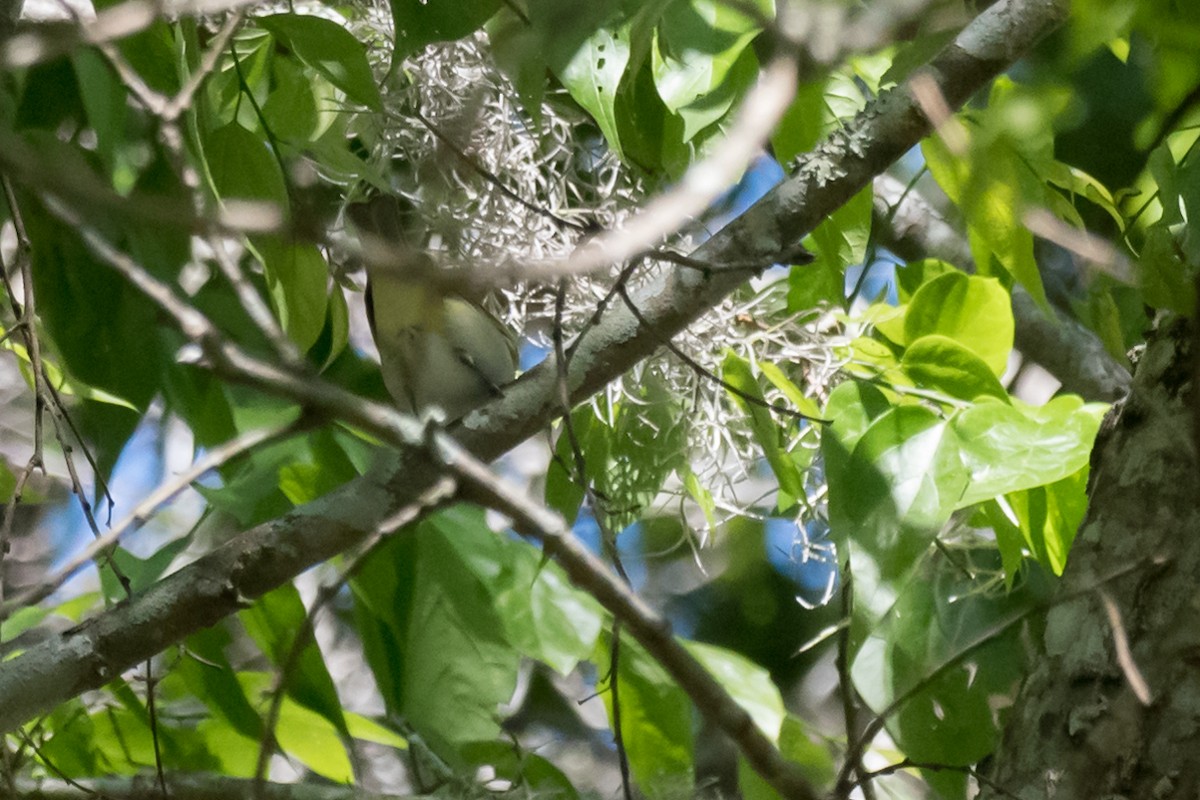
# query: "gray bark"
{"type": "Point", "coordinates": [1079, 729]}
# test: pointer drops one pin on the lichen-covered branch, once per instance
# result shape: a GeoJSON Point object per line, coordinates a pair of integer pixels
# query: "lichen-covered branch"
{"type": "Point", "coordinates": [1079, 728]}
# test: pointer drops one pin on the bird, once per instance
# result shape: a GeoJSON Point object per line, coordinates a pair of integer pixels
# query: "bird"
{"type": "Point", "coordinates": [442, 354]}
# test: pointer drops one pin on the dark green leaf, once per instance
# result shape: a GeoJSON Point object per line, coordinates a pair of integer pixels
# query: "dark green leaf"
{"type": "Point", "coordinates": [421, 22]}
{"type": "Point", "coordinates": [564, 492]}
{"type": "Point", "coordinates": [208, 675]}
{"type": "Point", "coordinates": [242, 166]}
{"type": "Point", "coordinates": [298, 283]}
{"type": "Point", "coordinates": [332, 51]}
{"type": "Point", "coordinates": [949, 649]}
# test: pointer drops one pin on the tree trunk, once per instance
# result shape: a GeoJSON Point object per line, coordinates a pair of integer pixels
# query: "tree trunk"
{"type": "Point", "coordinates": [1085, 726]}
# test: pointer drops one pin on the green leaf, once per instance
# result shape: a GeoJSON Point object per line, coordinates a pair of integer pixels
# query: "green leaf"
{"type": "Point", "coordinates": [530, 771]}
{"type": "Point", "coordinates": [643, 447]}
{"type": "Point", "coordinates": [255, 51]}
{"type": "Point", "coordinates": [700, 60]}
{"type": "Point", "coordinates": [367, 730]}
{"type": "Point", "coordinates": [897, 487]}
{"type": "Point", "coordinates": [550, 35]}
{"type": "Point", "coordinates": [1010, 541]}
{"type": "Point", "coordinates": [841, 239]}
{"type": "Point", "coordinates": [915, 53]}
{"type": "Point", "coordinates": [104, 100]}
{"type": "Point", "coordinates": [813, 285]}
{"type": "Point", "coordinates": [943, 365]}
{"type": "Point", "coordinates": [274, 622]}
{"type": "Point", "coordinates": [421, 22]}
{"type": "Point", "coordinates": [292, 110]}
{"type": "Point", "coordinates": [993, 191]}
{"type": "Point", "coordinates": [543, 615]}
{"type": "Point", "coordinates": [252, 491]}
{"type": "Point", "coordinates": [592, 75]}
{"type": "Point", "coordinates": [656, 721]}
{"type": "Point", "coordinates": [853, 406]}
{"type": "Point", "coordinates": [207, 674]}
{"type": "Point", "coordinates": [702, 497]}
{"type": "Point", "coordinates": [142, 572]}
{"type": "Point", "coordinates": [718, 105]}
{"type": "Point", "coordinates": [819, 108]}
{"type": "Point", "coordinates": [201, 400]}
{"type": "Point", "coordinates": [916, 452]}
{"type": "Point", "coordinates": [336, 333]}
{"type": "Point", "coordinates": [975, 312]}
{"type": "Point", "coordinates": [1045, 518]}
{"type": "Point", "coordinates": [564, 493]}
{"type": "Point", "coordinates": [107, 332]}
{"type": "Point", "coordinates": [242, 166]}
{"type": "Point", "coordinates": [797, 745]}
{"type": "Point", "coordinates": [1166, 281]}
{"type": "Point", "coordinates": [804, 404]}
{"type": "Point", "coordinates": [331, 50]}
{"type": "Point", "coordinates": [1006, 449]}
{"type": "Point", "coordinates": [304, 734]}
{"type": "Point", "coordinates": [749, 684]}
{"type": "Point", "coordinates": [736, 371]}
{"type": "Point", "coordinates": [915, 274]}
{"type": "Point", "coordinates": [298, 284]}
{"type": "Point", "coordinates": [949, 649]}
{"type": "Point", "coordinates": [447, 611]}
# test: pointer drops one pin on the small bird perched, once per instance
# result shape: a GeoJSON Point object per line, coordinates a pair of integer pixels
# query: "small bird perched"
{"type": "Point", "coordinates": [441, 353]}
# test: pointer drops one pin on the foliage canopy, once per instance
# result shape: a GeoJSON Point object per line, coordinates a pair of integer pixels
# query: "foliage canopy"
{"type": "Point", "coordinates": [836, 449]}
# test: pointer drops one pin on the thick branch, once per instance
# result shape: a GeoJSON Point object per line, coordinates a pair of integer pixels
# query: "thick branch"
{"type": "Point", "coordinates": [1083, 726]}
{"type": "Point", "coordinates": [220, 583]}
{"type": "Point", "coordinates": [1068, 351]}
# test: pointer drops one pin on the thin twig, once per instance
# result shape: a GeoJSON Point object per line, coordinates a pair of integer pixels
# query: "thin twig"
{"type": "Point", "coordinates": [849, 695]}
{"type": "Point", "coordinates": [595, 503]}
{"type": "Point", "coordinates": [871, 730]}
{"type": "Point", "coordinates": [908, 763]}
{"type": "Point", "coordinates": [212, 459]}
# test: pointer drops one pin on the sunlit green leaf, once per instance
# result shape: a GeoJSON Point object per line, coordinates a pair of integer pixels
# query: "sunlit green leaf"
{"type": "Point", "coordinates": [975, 312]}
{"type": "Point", "coordinates": [942, 364]}
{"type": "Point", "coordinates": [747, 683]}
{"type": "Point", "coordinates": [593, 74]}
{"type": "Point", "coordinates": [1006, 449]}
{"type": "Point", "coordinates": [948, 650]}
{"type": "Point", "coordinates": [656, 721]}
